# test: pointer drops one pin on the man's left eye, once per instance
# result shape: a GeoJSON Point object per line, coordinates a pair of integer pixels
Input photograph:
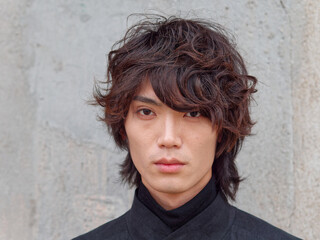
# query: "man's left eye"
{"type": "Point", "coordinates": [193, 114]}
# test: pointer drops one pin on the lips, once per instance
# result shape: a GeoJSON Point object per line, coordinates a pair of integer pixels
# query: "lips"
{"type": "Point", "coordinates": [169, 165]}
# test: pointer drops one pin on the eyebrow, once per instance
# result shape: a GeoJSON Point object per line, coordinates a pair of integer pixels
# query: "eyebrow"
{"type": "Point", "coordinates": [146, 100]}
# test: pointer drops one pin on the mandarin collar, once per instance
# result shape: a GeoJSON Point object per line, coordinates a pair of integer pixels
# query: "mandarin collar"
{"type": "Point", "coordinates": [213, 222]}
{"type": "Point", "coordinates": [179, 216]}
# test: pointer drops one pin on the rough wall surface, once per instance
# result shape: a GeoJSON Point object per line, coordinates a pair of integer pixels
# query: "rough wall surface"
{"type": "Point", "coordinates": [17, 121]}
{"type": "Point", "coordinates": [306, 128]}
{"type": "Point", "coordinates": [59, 168]}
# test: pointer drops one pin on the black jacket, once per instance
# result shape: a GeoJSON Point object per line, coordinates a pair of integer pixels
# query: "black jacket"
{"type": "Point", "coordinates": [218, 221]}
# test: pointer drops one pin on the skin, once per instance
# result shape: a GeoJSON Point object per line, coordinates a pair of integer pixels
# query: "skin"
{"type": "Point", "coordinates": [156, 132]}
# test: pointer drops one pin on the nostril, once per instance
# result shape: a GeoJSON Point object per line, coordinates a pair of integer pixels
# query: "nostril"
{"type": "Point", "coordinates": [169, 141]}
{"type": "Point", "coordinates": [169, 132]}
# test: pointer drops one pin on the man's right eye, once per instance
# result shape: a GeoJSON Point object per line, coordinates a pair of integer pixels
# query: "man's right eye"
{"type": "Point", "coordinates": [145, 112]}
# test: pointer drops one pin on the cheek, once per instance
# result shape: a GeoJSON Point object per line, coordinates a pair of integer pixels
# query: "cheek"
{"type": "Point", "coordinates": [205, 145]}
{"type": "Point", "coordinates": [138, 143]}
{"type": "Point", "coordinates": [139, 138]}
{"type": "Point", "coordinates": [140, 133]}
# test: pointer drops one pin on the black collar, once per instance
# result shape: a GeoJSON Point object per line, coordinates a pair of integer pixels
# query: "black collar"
{"type": "Point", "coordinates": [178, 217]}
{"type": "Point", "coordinates": [212, 223]}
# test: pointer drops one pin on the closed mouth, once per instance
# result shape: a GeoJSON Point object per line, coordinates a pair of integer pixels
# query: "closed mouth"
{"type": "Point", "coordinates": [171, 161]}
{"type": "Point", "coordinates": [169, 165]}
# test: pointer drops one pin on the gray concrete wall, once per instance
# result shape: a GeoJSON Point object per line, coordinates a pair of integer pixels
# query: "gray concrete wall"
{"type": "Point", "coordinates": [58, 167]}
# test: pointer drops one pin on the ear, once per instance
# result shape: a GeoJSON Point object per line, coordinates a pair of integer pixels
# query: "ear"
{"type": "Point", "coordinates": [123, 134]}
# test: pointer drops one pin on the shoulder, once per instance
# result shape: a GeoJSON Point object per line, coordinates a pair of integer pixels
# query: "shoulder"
{"type": "Point", "coordinates": [247, 226]}
{"type": "Point", "coordinates": [115, 229]}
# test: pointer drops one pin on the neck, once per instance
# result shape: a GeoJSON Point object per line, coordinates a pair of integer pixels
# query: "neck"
{"type": "Point", "coordinates": [173, 200]}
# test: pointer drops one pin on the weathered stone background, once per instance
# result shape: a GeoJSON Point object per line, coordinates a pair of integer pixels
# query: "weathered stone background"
{"type": "Point", "coordinates": [58, 168]}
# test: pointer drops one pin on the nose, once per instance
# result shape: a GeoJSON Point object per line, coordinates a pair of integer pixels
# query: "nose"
{"type": "Point", "coordinates": [169, 133]}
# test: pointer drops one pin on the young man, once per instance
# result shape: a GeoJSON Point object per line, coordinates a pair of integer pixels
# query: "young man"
{"type": "Point", "coordinates": [178, 102]}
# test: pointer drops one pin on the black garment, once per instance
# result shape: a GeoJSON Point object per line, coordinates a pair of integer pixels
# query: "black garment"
{"type": "Point", "coordinates": [218, 221]}
{"type": "Point", "coordinates": [178, 217]}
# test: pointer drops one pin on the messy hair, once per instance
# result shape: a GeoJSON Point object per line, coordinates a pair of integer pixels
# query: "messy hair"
{"type": "Point", "coordinates": [191, 64]}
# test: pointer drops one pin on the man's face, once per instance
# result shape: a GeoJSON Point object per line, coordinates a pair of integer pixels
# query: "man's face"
{"type": "Point", "coordinates": [173, 151]}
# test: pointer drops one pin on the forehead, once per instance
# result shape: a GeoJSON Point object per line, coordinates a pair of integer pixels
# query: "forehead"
{"type": "Point", "coordinates": [181, 96]}
{"type": "Point", "coordinates": [159, 93]}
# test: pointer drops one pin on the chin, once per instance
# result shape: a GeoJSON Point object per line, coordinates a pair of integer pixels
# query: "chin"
{"type": "Point", "coordinates": [168, 186]}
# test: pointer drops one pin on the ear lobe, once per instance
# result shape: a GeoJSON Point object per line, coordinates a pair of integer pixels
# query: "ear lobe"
{"type": "Point", "coordinates": [123, 134]}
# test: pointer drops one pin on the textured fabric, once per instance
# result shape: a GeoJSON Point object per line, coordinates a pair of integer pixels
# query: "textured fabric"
{"type": "Point", "coordinates": [218, 221]}
{"type": "Point", "coordinates": [177, 217]}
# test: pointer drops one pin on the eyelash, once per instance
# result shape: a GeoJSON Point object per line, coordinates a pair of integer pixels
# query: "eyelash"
{"type": "Point", "coordinates": [151, 113]}
{"type": "Point", "coordinates": [197, 115]}
{"type": "Point", "coordinates": [140, 111]}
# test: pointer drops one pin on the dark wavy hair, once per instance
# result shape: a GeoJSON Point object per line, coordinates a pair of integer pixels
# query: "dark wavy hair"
{"type": "Point", "coordinates": [191, 64]}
